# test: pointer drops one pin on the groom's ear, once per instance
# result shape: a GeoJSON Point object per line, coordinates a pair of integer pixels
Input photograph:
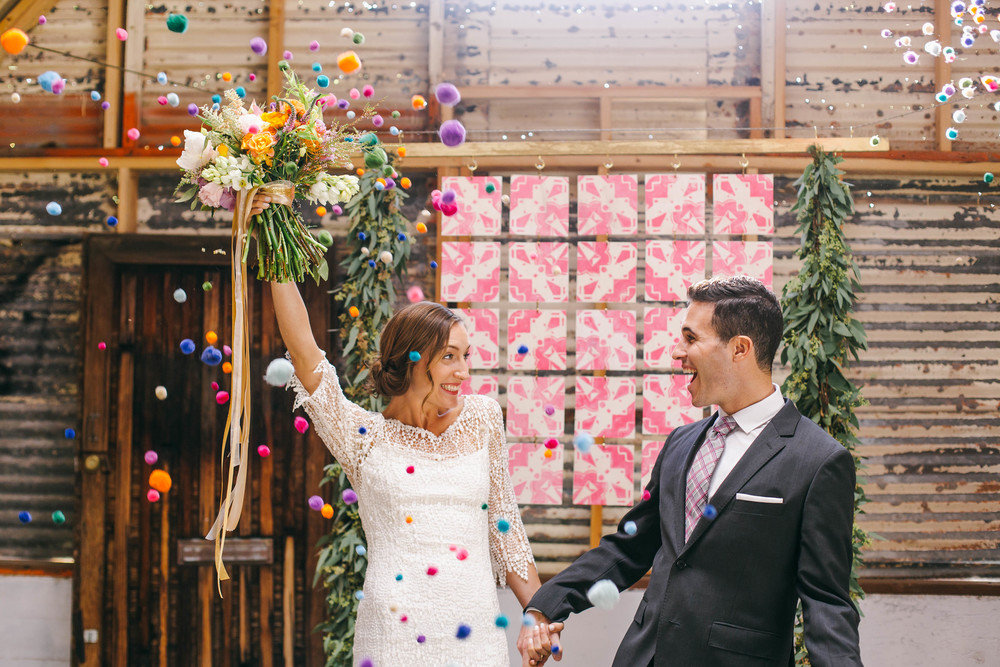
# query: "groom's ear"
{"type": "Point", "coordinates": [741, 348]}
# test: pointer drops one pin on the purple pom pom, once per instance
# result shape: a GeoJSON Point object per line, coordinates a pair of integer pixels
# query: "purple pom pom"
{"type": "Point", "coordinates": [349, 496]}
{"type": "Point", "coordinates": [314, 45]}
{"type": "Point", "coordinates": [448, 196]}
{"type": "Point", "coordinates": [452, 133]}
{"type": "Point", "coordinates": [343, 104]}
{"type": "Point", "coordinates": [258, 46]}
{"type": "Point", "coordinates": [315, 503]}
{"type": "Point", "coordinates": [367, 662]}
{"type": "Point", "coordinates": [105, 105]}
{"type": "Point", "coordinates": [192, 109]}
{"type": "Point", "coordinates": [287, 55]}
{"type": "Point", "coordinates": [377, 120]}
{"type": "Point", "coordinates": [447, 94]}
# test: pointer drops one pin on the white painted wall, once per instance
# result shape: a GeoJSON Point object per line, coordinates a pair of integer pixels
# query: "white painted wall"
{"type": "Point", "coordinates": [35, 628]}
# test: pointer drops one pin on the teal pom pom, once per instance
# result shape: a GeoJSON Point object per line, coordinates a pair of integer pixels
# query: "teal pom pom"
{"type": "Point", "coordinates": [414, 356]}
{"type": "Point", "coordinates": [177, 23]}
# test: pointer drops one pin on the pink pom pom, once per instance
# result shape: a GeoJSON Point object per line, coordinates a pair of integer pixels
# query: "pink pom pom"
{"type": "Point", "coordinates": [435, 194]}
{"type": "Point", "coordinates": [152, 495]}
{"type": "Point", "coordinates": [226, 350]}
{"type": "Point", "coordinates": [431, 571]}
{"type": "Point", "coordinates": [103, 161]}
{"type": "Point", "coordinates": [314, 45]}
{"type": "Point", "coordinates": [58, 86]}
{"type": "Point", "coordinates": [287, 55]}
{"type": "Point", "coordinates": [414, 293]}
{"type": "Point", "coordinates": [264, 451]}
{"type": "Point", "coordinates": [449, 209]}
{"type": "Point", "coordinates": [42, 20]}
{"type": "Point", "coordinates": [354, 93]}
{"type": "Point", "coordinates": [410, 470]}
{"type": "Point", "coordinates": [377, 120]}
{"type": "Point", "coordinates": [222, 397]}
{"type": "Point", "coordinates": [301, 425]}
{"type": "Point", "coordinates": [645, 494]}
{"type": "Point", "coordinates": [162, 100]}
{"type": "Point", "coordinates": [251, 76]}
{"type": "Point", "coordinates": [462, 553]}
{"type": "Point", "coordinates": [215, 386]}
{"type": "Point", "coordinates": [132, 134]}
{"type": "Point", "coordinates": [102, 345]}
{"type": "Point", "coordinates": [368, 91]}
{"type": "Point", "coordinates": [151, 457]}
{"type": "Point", "coordinates": [121, 34]}
{"type": "Point", "coordinates": [551, 443]}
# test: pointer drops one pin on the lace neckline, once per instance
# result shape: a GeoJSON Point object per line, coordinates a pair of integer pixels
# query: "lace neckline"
{"type": "Point", "coordinates": [424, 432]}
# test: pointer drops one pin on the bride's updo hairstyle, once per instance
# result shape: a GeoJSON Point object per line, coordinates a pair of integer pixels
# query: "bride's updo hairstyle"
{"type": "Point", "coordinates": [425, 327]}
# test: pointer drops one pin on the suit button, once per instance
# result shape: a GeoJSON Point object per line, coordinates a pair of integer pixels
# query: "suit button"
{"type": "Point", "coordinates": [681, 564]}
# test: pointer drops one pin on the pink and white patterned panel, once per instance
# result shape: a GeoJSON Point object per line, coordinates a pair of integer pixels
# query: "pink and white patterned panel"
{"type": "Point", "coordinates": [672, 267]}
{"type": "Point", "coordinates": [527, 400]}
{"type": "Point", "coordinates": [605, 272]}
{"type": "Point", "coordinates": [607, 204]}
{"type": "Point", "coordinates": [483, 385]}
{"type": "Point", "coordinates": [470, 271]}
{"type": "Point", "coordinates": [539, 272]}
{"type": "Point", "coordinates": [537, 480]}
{"type": "Point", "coordinates": [605, 406]}
{"type": "Point", "coordinates": [478, 210]}
{"type": "Point", "coordinates": [666, 404]}
{"type": "Point", "coordinates": [483, 326]}
{"type": "Point", "coordinates": [539, 205]}
{"type": "Point", "coordinates": [605, 340]}
{"type": "Point", "coordinates": [650, 450]}
{"type": "Point", "coordinates": [604, 476]}
{"type": "Point", "coordinates": [675, 204]}
{"type": "Point", "coordinates": [661, 331]}
{"type": "Point", "coordinates": [743, 203]}
{"type": "Point", "coordinates": [543, 332]}
{"type": "Point", "coordinates": [752, 258]}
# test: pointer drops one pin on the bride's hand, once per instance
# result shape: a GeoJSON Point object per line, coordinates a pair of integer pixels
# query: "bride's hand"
{"type": "Point", "coordinates": [260, 202]}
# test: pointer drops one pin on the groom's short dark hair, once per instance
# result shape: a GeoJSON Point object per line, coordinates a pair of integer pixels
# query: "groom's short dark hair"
{"type": "Point", "coordinates": [743, 307]}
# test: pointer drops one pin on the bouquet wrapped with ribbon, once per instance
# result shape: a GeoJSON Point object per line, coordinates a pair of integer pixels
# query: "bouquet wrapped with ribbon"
{"type": "Point", "coordinates": [288, 151]}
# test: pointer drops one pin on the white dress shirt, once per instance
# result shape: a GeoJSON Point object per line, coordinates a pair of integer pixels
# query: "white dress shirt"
{"type": "Point", "coordinates": [750, 422]}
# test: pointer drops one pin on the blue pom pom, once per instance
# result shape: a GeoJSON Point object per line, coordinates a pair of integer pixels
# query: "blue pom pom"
{"type": "Point", "coordinates": [362, 236]}
{"type": "Point", "coordinates": [53, 208]}
{"type": "Point", "coordinates": [583, 441]}
{"type": "Point", "coordinates": [362, 430]}
{"type": "Point", "coordinates": [241, 91]}
{"type": "Point", "coordinates": [434, 265]}
{"type": "Point", "coordinates": [112, 221]}
{"type": "Point", "coordinates": [187, 346]}
{"type": "Point", "coordinates": [216, 99]}
{"type": "Point", "coordinates": [503, 525]}
{"type": "Point", "coordinates": [371, 263]}
{"type": "Point", "coordinates": [216, 106]}
{"type": "Point", "coordinates": [528, 621]}
{"type": "Point", "coordinates": [394, 131]}
{"type": "Point", "coordinates": [359, 595]}
{"type": "Point", "coordinates": [463, 631]}
{"type": "Point", "coordinates": [399, 577]}
{"type": "Point", "coordinates": [414, 355]}
{"type": "Point", "coordinates": [161, 77]}
{"type": "Point", "coordinates": [401, 237]}
{"type": "Point", "coordinates": [317, 67]}
{"type": "Point", "coordinates": [25, 517]}
{"type": "Point", "coordinates": [710, 512]}
{"type": "Point", "coordinates": [379, 186]}
{"type": "Point", "coordinates": [630, 528]}
{"type": "Point", "coordinates": [322, 81]}
{"type": "Point", "coordinates": [522, 349]}
{"type": "Point", "coordinates": [69, 433]}
{"type": "Point", "coordinates": [360, 550]}
{"type": "Point", "coordinates": [211, 356]}
{"type": "Point", "coordinates": [502, 621]}
{"type": "Point", "coordinates": [96, 96]}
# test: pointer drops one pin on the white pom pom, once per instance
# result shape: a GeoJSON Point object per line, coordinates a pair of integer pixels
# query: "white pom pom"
{"type": "Point", "coordinates": [346, 32]}
{"type": "Point", "coordinates": [161, 392]}
{"type": "Point", "coordinates": [180, 296]}
{"type": "Point", "coordinates": [365, 251]}
{"type": "Point", "coordinates": [279, 372]}
{"type": "Point", "coordinates": [385, 256]}
{"type": "Point", "coordinates": [603, 594]}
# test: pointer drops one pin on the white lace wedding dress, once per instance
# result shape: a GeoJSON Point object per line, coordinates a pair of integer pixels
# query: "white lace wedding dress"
{"type": "Point", "coordinates": [442, 526]}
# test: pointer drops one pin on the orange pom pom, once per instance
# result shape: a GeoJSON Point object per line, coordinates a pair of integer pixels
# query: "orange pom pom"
{"type": "Point", "coordinates": [14, 40]}
{"type": "Point", "coordinates": [360, 172]}
{"type": "Point", "coordinates": [223, 150]}
{"type": "Point", "coordinates": [226, 76]}
{"type": "Point", "coordinates": [409, 519]}
{"type": "Point", "coordinates": [405, 183]}
{"type": "Point", "coordinates": [401, 151]}
{"type": "Point", "coordinates": [160, 480]}
{"type": "Point", "coordinates": [380, 180]}
{"type": "Point", "coordinates": [353, 311]}
{"type": "Point", "coordinates": [348, 62]}
{"type": "Point", "coordinates": [175, 140]}
{"type": "Point", "coordinates": [211, 337]}
{"type": "Point", "coordinates": [327, 511]}
{"type": "Point", "coordinates": [548, 453]}
{"type": "Point", "coordinates": [421, 228]}
{"type": "Point", "coordinates": [418, 102]}
{"type": "Point", "coordinates": [321, 211]}
{"type": "Point", "coordinates": [227, 367]}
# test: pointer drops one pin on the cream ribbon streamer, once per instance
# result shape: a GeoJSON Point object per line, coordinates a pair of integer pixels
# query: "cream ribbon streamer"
{"type": "Point", "coordinates": [237, 433]}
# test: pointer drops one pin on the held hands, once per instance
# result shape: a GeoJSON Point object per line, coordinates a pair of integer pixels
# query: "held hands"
{"type": "Point", "coordinates": [260, 202]}
{"type": "Point", "coordinates": [538, 642]}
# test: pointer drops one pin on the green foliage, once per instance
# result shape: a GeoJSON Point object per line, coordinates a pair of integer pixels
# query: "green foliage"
{"type": "Point", "coordinates": [821, 334]}
{"type": "Point", "coordinates": [376, 214]}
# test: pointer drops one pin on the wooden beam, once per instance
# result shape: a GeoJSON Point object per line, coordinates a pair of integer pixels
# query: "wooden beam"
{"type": "Point", "coordinates": [435, 43]}
{"type": "Point", "coordinates": [288, 603]}
{"type": "Point", "coordinates": [24, 14]}
{"type": "Point", "coordinates": [605, 117]}
{"type": "Point", "coordinates": [132, 83]}
{"type": "Point", "coordinates": [114, 56]}
{"type": "Point", "coordinates": [942, 73]}
{"type": "Point", "coordinates": [275, 46]}
{"type": "Point", "coordinates": [128, 199]}
{"type": "Point", "coordinates": [780, 17]}
{"type": "Point", "coordinates": [596, 524]}
{"type": "Point", "coordinates": [623, 92]}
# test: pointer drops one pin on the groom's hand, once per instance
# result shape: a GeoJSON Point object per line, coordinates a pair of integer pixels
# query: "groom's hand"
{"type": "Point", "coordinates": [536, 643]}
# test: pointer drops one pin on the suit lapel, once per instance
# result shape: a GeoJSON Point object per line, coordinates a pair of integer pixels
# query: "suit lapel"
{"type": "Point", "coordinates": [678, 493]}
{"type": "Point", "coordinates": [771, 441]}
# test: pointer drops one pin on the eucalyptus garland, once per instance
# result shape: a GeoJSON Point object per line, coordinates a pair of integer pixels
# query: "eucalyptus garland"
{"type": "Point", "coordinates": [821, 335]}
{"type": "Point", "coordinates": [377, 250]}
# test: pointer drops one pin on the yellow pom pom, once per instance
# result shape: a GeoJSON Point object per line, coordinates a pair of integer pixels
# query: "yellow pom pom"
{"type": "Point", "coordinates": [226, 76]}
{"type": "Point", "coordinates": [353, 311]}
{"type": "Point", "coordinates": [227, 367]}
{"type": "Point", "coordinates": [223, 150]}
{"type": "Point", "coordinates": [211, 337]}
{"type": "Point", "coordinates": [421, 228]}
{"type": "Point", "coordinates": [401, 151]}
{"type": "Point", "coordinates": [327, 511]}
{"type": "Point", "coordinates": [321, 211]}
{"type": "Point", "coordinates": [175, 140]}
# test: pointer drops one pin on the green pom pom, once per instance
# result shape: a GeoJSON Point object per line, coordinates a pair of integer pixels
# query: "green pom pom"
{"type": "Point", "coordinates": [207, 285]}
{"type": "Point", "coordinates": [988, 177]}
{"type": "Point", "coordinates": [359, 38]}
{"type": "Point", "coordinates": [490, 187]}
{"type": "Point", "coordinates": [395, 114]}
{"type": "Point", "coordinates": [58, 517]}
{"type": "Point", "coordinates": [369, 139]}
{"type": "Point", "coordinates": [325, 238]}
{"type": "Point", "coordinates": [283, 65]}
{"type": "Point", "coordinates": [387, 170]}
{"type": "Point", "coordinates": [177, 23]}
{"type": "Point", "coordinates": [375, 158]}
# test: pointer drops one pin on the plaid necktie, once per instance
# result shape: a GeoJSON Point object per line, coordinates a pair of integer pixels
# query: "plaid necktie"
{"type": "Point", "coordinates": [700, 474]}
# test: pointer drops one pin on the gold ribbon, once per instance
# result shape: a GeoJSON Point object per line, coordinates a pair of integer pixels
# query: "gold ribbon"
{"type": "Point", "coordinates": [237, 433]}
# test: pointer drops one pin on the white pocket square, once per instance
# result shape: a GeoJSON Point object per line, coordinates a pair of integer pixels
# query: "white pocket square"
{"type": "Point", "coordinates": [759, 499]}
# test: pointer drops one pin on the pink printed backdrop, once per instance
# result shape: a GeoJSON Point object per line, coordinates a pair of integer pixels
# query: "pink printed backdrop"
{"type": "Point", "coordinates": [537, 480]}
{"type": "Point", "coordinates": [661, 331]}
{"type": "Point", "coordinates": [539, 271]}
{"type": "Point", "coordinates": [605, 272]}
{"type": "Point", "coordinates": [666, 404]}
{"type": "Point", "coordinates": [526, 402]}
{"type": "Point", "coordinates": [470, 271]}
{"type": "Point", "coordinates": [753, 258]}
{"type": "Point", "coordinates": [483, 325]}
{"type": "Point", "coordinates": [604, 475]}
{"type": "Point", "coordinates": [743, 203]}
{"type": "Point", "coordinates": [485, 385]}
{"type": "Point", "coordinates": [650, 450]}
{"type": "Point", "coordinates": [605, 340]}
{"type": "Point", "coordinates": [607, 204]}
{"type": "Point", "coordinates": [675, 204]}
{"type": "Point", "coordinates": [605, 406]}
{"type": "Point", "coordinates": [478, 210]}
{"type": "Point", "coordinates": [672, 267]}
{"type": "Point", "coordinates": [544, 334]}
{"type": "Point", "coordinates": [539, 205]}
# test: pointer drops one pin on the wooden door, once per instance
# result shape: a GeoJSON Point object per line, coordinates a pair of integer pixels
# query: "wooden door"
{"type": "Point", "coordinates": [148, 584]}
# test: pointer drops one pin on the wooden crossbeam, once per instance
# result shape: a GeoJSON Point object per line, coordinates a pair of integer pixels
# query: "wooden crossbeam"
{"type": "Point", "coordinates": [24, 14]}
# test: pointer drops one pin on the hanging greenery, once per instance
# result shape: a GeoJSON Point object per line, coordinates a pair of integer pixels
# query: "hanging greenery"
{"type": "Point", "coordinates": [377, 250]}
{"type": "Point", "coordinates": [821, 334]}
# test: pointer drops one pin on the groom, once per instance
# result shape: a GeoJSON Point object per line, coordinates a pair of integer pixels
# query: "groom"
{"type": "Point", "coordinates": [745, 513]}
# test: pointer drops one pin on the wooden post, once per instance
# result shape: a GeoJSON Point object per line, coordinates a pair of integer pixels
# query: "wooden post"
{"type": "Point", "coordinates": [128, 200]}
{"type": "Point", "coordinates": [942, 72]}
{"type": "Point", "coordinates": [288, 603]}
{"type": "Point", "coordinates": [275, 45]}
{"type": "Point", "coordinates": [114, 52]}
{"type": "Point", "coordinates": [779, 68]}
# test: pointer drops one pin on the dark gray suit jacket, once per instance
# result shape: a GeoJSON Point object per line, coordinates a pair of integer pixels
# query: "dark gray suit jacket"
{"type": "Point", "coordinates": [728, 596]}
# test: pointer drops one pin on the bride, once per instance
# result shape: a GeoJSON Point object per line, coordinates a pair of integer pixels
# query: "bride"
{"type": "Point", "coordinates": [434, 493]}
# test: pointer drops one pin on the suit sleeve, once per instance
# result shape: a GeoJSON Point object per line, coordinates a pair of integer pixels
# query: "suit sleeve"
{"type": "Point", "coordinates": [620, 557]}
{"type": "Point", "coordinates": [824, 568]}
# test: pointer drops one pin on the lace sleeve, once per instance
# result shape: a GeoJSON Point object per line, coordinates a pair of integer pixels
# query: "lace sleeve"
{"type": "Point", "coordinates": [509, 550]}
{"type": "Point", "coordinates": [335, 418]}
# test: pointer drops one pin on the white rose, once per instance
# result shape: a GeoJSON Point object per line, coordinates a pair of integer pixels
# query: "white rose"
{"type": "Point", "coordinates": [196, 153]}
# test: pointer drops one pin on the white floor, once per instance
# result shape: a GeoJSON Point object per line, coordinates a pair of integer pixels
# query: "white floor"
{"type": "Point", "coordinates": [897, 630]}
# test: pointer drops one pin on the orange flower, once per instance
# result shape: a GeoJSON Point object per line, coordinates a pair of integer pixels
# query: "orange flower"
{"type": "Point", "coordinates": [300, 110]}
{"type": "Point", "coordinates": [259, 145]}
{"type": "Point", "coordinates": [275, 119]}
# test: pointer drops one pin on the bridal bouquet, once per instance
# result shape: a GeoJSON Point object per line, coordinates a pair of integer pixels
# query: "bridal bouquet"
{"type": "Point", "coordinates": [286, 151]}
